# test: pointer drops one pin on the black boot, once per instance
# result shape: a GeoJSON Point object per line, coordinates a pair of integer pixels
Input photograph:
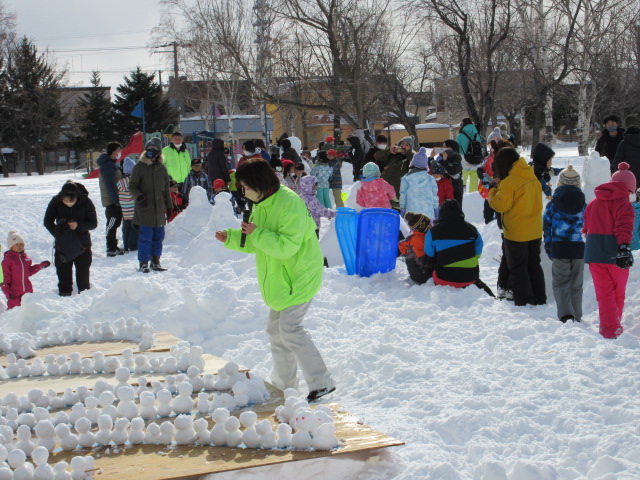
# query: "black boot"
{"type": "Point", "coordinates": [144, 267]}
{"type": "Point", "coordinates": [155, 265]}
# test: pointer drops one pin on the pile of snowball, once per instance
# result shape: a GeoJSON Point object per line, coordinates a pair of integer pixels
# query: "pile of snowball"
{"type": "Point", "coordinates": [24, 345]}
{"type": "Point", "coordinates": [82, 468]}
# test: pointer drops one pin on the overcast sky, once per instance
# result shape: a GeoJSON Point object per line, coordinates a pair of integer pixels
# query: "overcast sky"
{"type": "Point", "coordinates": [71, 27]}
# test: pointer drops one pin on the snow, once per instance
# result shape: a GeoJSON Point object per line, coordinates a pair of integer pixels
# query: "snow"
{"type": "Point", "coordinates": [477, 388]}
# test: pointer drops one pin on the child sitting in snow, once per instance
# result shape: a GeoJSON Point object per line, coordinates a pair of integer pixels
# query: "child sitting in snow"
{"type": "Point", "coordinates": [323, 172]}
{"type": "Point", "coordinates": [16, 269]}
{"type": "Point", "coordinates": [413, 247]}
{"type": "Point", "coordinates": [308, 194]}
{"type": "Point", "coordinates": [562, 226]}
{"type": "Point", "coordinates": [374, 192]}
{"type": "Point", "coordinates": [177, 199]}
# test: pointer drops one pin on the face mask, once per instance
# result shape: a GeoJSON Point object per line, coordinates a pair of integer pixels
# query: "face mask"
{"type": "Point", "coordinates": [382, 146]}
{"type": "Point", "coordinates": [177, 145]}
{"type": "Point", "coordinates": [278, 169]}
{"type": "Point", "coordinates": [247, 153]}
{"type": "Point", "coordinates": [118, 156]}
{"type": "Point", "coordinates": [632, 197]}
{"type": "Point", "coordinates": [292, 174]}
{"type": "Point", "coordinates": [151, 153]}
{"type": "Point", "coordinates": [612, 128]}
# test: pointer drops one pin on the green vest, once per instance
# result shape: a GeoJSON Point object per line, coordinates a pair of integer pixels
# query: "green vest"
{"type": "Point", "coordinates": [178, 163]}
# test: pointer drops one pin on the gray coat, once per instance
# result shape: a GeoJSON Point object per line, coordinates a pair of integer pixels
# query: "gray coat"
{"type": "Point", "coordinates": [151, 180]}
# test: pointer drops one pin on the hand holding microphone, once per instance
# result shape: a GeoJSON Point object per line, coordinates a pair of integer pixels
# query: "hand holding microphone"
{"type": "Point", "coordinates": [247, 228]}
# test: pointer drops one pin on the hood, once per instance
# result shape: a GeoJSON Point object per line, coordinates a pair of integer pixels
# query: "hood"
{"type": "Point", "coordinates": [612, 191]}
{"type": "Point", "coordinates": [522, 169]}
{"type": "Point", "coordinates": [450, 210]}
{"type": "Point", "coordinates": [632, 139]}
{"type": "Point", "coordinates": [371, 185]}
{"type": "Point", "coordinates": [306, 185]}
{"type": "Point", "coordinates": [12, 254]}
{"type": "Point", "coordinates": [452, 144]}
{"type": "Point", "coordinates": [409, 139]}
{"type": "Point", "coordinates": [569, 199]}
{"type": "Point", "coordinates": [148, 161]}
{"type": "Point", "coordinates": [104, 158]}
{"type": "Point", "coordinates": [470, 130]}
{"type": "Point", "coordinates": [364, 143]}
{"type": "Point", "coordinates": [217, 144]}
{"type": "Point", "coordinates": [353, 141]}
{"type": "Point", "coordinates": [541, 155]}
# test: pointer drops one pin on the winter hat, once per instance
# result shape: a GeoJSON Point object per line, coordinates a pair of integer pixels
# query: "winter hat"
{"type": "Point", "coordinates": [569, 176]}
{"type": "Point", "coordinates": [333, 152]}
{"type": "Point", "coordinates": [450, 153]}
{"type": "Point", "coordinates": [196, 161]}
{"type": "Point", "coordinates": [452, 144]}
{"type": "Point", "coordinates": [127, 165]}
{"type": "Point", "coordinates": [329, 140]}
{"type": "Point", "coordinates": [371, 170]}
{"type": "Point", "coordinates": [409, 139]}
{"type": "Point", "coordinates": [495, 135]}
{"type": "Point", "coordinates": [417, 222]}
{"type": "Point", "coordinates": [287, 163]}
{"type": "Point", "coordinates": [625, 176]}
{"type": "Point", "coordinates": [322, 157]}
{"type": "Point", "coordinates": [450, 210]}
{"type": "Point", "coordinates": [438, 169]}
{"type": "Point", "coordinates": [154, 143]}
{"type": "Point", "coordinates": [218, 183]}
{"type": "Point", "coordinates": [173, 183]}
{"type": "Point", "coordinates": [13, 238]}
{"type": "Point", "coordinates": [420, 159]}
{"type": "Point", "coordinates": [541, 154]}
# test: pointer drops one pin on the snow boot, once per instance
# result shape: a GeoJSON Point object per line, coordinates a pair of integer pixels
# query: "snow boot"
{"type": "Point", "coordinates": [155, 265]}
{"type": "Point", "coordinates": [144, 267]}
{"type": "Point", "coordinates": [321, 392]}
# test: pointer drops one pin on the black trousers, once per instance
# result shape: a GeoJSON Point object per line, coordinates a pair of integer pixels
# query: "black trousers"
{"type": "Point", "coordinates": [458, 189]}
{"type": "Point", "coordinates": [417, 272]}
{"type": "Point", "coordinates": [527, 277]}
{"type": "Point", "coordinates": [504, 279]}
{"type": "Point", "coordinates": [114, 219]}
{"type": "Point", "coordinates": [65, 272]}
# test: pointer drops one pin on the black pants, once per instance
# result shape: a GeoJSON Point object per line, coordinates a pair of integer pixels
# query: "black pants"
{"type": "Point", "coordinates": [240, 201]}
{"type": "Point", "coordinates": [458, 189]}
{"type": "Point", "coordinates": [527, 277]}
{"type": "Point", "coordinates": [65, 272]}
{"type": "Point", "coordinates": [114, 219]}
{"type": "Point", "coordinates": [504, 278]}
{"type": "Point", "coordinates": [417, 272]}
{"type": "Point", "coordinates": [488, 213]}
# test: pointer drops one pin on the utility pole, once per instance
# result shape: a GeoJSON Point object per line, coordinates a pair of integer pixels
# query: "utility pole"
{"type": "Point", "coordinates": [262, 28]}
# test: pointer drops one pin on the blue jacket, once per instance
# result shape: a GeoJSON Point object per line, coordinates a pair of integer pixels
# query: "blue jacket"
{"type": "Point", "coordinates": [192, 180]}
{"type": "Point", "coordinates": [419, 193]}
{"type": "Point", "coordinates": [635, 241]}
{"type": "Point", "coordinates": [322, 172]}
{"type": "Point", "coordinates": [562, 223]}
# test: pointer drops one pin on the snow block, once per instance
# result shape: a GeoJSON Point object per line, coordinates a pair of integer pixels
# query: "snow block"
{"type": "Point", "coordinates": [377, 244]}
{"type": "Point", "coordinates": [347, 231]}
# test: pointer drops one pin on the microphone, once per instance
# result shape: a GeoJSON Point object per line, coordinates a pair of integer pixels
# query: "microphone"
{"type": "Point", "coordinates": [245, 218]}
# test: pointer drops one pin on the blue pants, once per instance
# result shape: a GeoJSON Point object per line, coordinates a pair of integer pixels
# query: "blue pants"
{"type": "Point", "coordinates": [150, 243]}
{"type": "Point", "coordinates": [129, 235]}
{"type": "Point", "coordinates": [324, 197]}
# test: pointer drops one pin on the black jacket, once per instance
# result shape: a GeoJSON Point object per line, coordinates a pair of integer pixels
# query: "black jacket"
{"type": "Point", "coordinates": [356, 156]}
{"type": "Point", "coordinates": [629, 151]}
{"type": "Point", "coordinates": [58, 214]}
{"type": "Point", "coordinates": [291, 154]}
{"type": "Point", "coordinates": [217, 162]}
{"type": "Point", "coordinates": [607, 146]}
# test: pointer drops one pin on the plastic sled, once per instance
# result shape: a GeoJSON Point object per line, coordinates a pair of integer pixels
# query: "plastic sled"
{"type": "Point", "coordinates": [330, 245]}
{"type": "Point", "coordinates": [347, 231]}
{"type": "Point", "coordinates": [377, 245]}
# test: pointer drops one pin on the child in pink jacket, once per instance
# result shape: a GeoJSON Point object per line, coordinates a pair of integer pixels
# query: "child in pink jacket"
{"type": "Point", "coordinates": [17, 268]}
{"type": "Point", "coordinates": [374, 191]}
{"type": "Point", "coordinates": [608, 224]}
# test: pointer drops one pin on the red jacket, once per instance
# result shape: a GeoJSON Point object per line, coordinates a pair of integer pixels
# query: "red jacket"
{"type": "Point", "coordinates": [17, 268]}
{"type": "Point", "coordinates": [445, 190]}
{"type": "Point", "coordinates": [488, 168]}
{"type": "Point", "coordinates": [178, 205]}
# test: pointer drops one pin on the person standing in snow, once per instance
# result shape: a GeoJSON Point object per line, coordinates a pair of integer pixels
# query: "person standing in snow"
{"type": "Point", "coordinates": [542, 156]}
{"type": "Point", "coordinates": [17, 267]}
{"type": "Point", "coordinates": [335, 181]}
{"type": "Point", "coordinates": [562, 226]}
{"type": "Point", "coordinates": [608, 225]}
{"type": "Point", "coordinates": [322, 172]}
{"type": "Point", "coordinates": [468, 133]}
{"type": "Point", "coordinates": [397, 163]}
{"type": "Point", "coordinates": [607, 144]}
{"type": "Point", "coordinates": [149, 185]}
{"type": "Point", "coordinates": [629, 151]}
{"type": "Point", "coordinates": [282, 235]}
{"type": "Point", "coordinates": [69, 218]}
{"type": "Point", "coordinates": [217, 166]}
{"type": "Point", "coordinates": [418, 189]}
{"type": "Point", "coordinates": [177, 159]}
{"type": "Point", "coordinates": [356, 156]}
{"type": "Point", "coordinates": [129, 232]}
{"type": "Point", "coordinates": [110, 174]}
{"type": "Point", "coordinates": [317, 210]}
{"type": "Point", "coordinates": [450, 159]}
{"type": "Point", "coordinates": [517, 197]}
{"type": "Point", "coordinates": [195, 178]}
{"type": "Point", "coordinates": [374, 192]}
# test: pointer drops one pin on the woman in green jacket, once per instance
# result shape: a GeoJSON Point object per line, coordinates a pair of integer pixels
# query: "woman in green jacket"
{"type": "Point", "coordinates": [289, 264]}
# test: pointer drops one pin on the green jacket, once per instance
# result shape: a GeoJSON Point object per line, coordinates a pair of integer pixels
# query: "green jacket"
{"type": "Point", "coordinates": [178, 162]}
{"type": "Point", "coordinates": [289, 261]}
{"type": "Point", "coordinates": [150, 180]}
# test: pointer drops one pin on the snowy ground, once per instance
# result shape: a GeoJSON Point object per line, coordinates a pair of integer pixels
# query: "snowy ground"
{"type": "Point", "coordinates": [477, 388]}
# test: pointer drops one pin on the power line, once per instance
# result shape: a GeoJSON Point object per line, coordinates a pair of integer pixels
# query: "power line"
{"type": "Point", "coordinates": [90, 35]}
{"type": "Point", "coordinates": [95, 49]}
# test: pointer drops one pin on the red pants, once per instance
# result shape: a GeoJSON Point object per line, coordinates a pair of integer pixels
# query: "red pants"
{"type": "Point", "coordinates": [610, 283]}
{"type": "Point", "coordinates": [439, 281]}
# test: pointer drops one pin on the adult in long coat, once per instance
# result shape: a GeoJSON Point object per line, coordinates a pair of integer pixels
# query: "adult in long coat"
{"type": "Point", "coordinates": [217, 162]}
{"type": "Point", "coordinates": [149, 185]}
{"type": "Point", "coordinates": [629, 151]}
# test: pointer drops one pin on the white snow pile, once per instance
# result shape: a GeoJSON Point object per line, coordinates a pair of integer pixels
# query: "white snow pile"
{"type": "Point", "coordinates": [476, 388]}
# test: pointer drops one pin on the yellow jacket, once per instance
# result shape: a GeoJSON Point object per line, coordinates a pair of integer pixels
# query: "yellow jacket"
{"type": "Point", "coordinates": [519, 199]}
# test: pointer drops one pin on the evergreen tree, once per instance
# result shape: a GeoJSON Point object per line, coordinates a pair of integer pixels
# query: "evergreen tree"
{"type": "Point", "coordinates": [158, 112]}
{"type": "Point", "coordinates": [31, 102]}
{"type": "Point", "coordinates": [96, 122]}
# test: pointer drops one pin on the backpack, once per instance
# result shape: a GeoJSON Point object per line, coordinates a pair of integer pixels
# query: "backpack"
{"type": "Point", "coordinates": [474, 154]}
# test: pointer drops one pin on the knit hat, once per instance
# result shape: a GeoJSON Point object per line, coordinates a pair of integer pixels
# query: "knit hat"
{"type": "Point", "coordinates": [322, 156]}
{"type": "Point", "coordinates": [417, 222]}
{"type": "Point", "coordinates": [438, 169]}
{"type": "Point", "coordinates": [13, 238]}
{"type": "Point", "coordinates": [370, 170]}
{"type": "Point", "coordinates": [625, 176]}
{"type": "Point", "coordinates": [541, 154]}
{"type": "Point", "coordinates": [127, 165]}
{"type": "Point", "coordinates": [154, 143]}
{"type": "Point", "coordinates": [218, 183]}
{"type": "Point", "coordinates": [495, 135]}
{"type": "Point", "coordinates": [569, 176]}
{"type": "Point", "coordinates": [420, 159]}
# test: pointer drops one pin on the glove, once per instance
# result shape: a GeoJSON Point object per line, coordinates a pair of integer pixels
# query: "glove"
{"type": "Point", "coordinates": [142, 201]}
{"type": "Point", "coordinates": [45, 264]}
{"type": "Point", "coordinates": [624, 259]}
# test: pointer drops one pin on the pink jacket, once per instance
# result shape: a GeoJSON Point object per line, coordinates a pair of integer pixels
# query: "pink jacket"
{"type": "Point", "coordinates": [17, 268]}
{"type": "Point", "coordinates": [375, 194]}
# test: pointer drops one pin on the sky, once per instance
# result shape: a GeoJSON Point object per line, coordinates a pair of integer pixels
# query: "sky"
{"type": "Point", "coordinates": [71, 28]}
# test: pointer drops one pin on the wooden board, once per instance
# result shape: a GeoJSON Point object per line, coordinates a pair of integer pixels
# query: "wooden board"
{"type": "Point", "coordinates": [163, 342]}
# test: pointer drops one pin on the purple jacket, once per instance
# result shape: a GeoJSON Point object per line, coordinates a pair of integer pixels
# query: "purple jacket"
{"type": "Point", "coordinates": [316, 209]}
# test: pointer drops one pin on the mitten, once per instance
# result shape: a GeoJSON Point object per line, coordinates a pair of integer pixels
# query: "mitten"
{"type": "Point", "coordinates": [624, 259]}
{"type": "Point", "coordinates": [142, 201]}
{"type": "Point", "coordinates": [45, 264]}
